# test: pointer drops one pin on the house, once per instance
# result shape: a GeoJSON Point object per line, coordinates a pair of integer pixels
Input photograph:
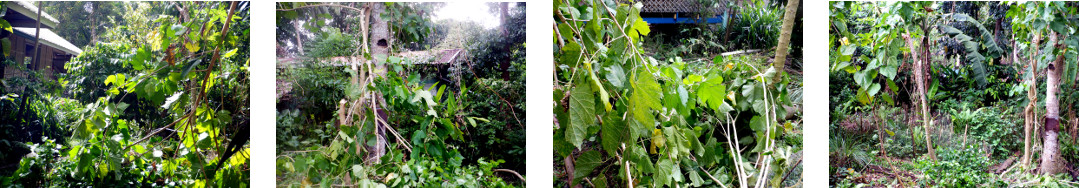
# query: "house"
{"type": "Point", "coordinates": [55, 50]}
{"type": "Point", "coordinates": [680, 12]}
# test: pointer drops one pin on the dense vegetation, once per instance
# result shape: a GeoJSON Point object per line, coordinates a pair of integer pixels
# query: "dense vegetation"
{"type": "Point", "coordinates": [158, 99]}
{"type": "Point", "coordinates": [416, 125]}
{"type": "Point", "coordinates": [953, 94]}
{"type": "Point", "coordinates": [626, 117]}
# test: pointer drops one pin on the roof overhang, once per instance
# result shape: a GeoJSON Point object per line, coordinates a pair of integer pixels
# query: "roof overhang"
{"type": "Point", "coordinates": [27, 9]}
{"type": "Point", "coordinates": [48, 38]}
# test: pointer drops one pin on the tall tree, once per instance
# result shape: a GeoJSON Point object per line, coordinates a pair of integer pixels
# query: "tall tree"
{"type": "Point", "coordinates": [80, 22]}
{"type": "Point", "coordinates": [1051, 161]}
{"type": "Point", "coordinates": [505, 64]}
{"type": "Point", "coordinates": [919, 56]}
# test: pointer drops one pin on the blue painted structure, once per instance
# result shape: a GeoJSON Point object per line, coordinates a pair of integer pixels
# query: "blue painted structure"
{"type": "Point", "coordinates": [720, 19]}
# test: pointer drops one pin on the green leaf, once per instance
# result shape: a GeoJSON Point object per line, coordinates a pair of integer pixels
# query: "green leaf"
{"type": "Point", "coordinates": [616, 75]}
{"type": "Point", "coordinates": [848, 50]}
{"type": "Point", "coordinates": [357, 170]}
{"type": "Point", "coordinates": [692, 79]}
{"type": "Point", "coordinates": [584, 165]}
{"type": "Point", "coordinates": [188, 67]}
{"type": "Point", "coordinates": [696, 178]}
{"type": "Point", "coordinates": [712, 92]}
{"type": "Point", "coordinates": [641, 27]}
{"type": "Point", "coordinates": [232, 52]}
{"type": "Point", "coordinates": [636, 154]}
{"type": "Point", "coordinates": [874, 89]}
{"type": "Point", "coordinates": [417, 137]}
{"type": "Point", "coordinates": [600, 182]}
{"type": "Point", "coordinates": [663, 174]}
{"type": "Point", "coordinates": [582, 113]}
{"type": "Point", "coordinates": [645, 98]}
{"type": "Point", "coordinates": [615, 133]}
{"type": "Point", "coordinates": [141, 56]}
{"type": "Point", "coordinates": [179, 29]}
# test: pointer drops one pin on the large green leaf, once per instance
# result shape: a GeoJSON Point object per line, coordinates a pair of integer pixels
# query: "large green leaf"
{"type": "Point", "coordinates": [615, 133]}
{"type": "Point", "coordinates": [582, 109]}
{"type": "Point", "coordinates": [712, 92]}
{"type": "Point", "coordinates": [645, 98]}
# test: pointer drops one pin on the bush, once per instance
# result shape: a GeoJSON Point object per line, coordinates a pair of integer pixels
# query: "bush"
{"type": "Point", "coordinates": [958, 168]}
{"type": "Point", "coordinates": [985, 125]}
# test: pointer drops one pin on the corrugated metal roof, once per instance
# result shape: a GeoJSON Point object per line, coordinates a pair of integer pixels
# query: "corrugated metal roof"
{"type": "Point", "coordinates": [50, 39]}
{"type": "Point", "coordinates": [30, 10]}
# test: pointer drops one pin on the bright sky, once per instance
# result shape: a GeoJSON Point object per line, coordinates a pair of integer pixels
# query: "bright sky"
{"type": "Point", "coordinates": [469, 11]}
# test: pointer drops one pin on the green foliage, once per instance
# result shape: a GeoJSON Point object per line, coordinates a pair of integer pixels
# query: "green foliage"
{"type": "Point", "coordinates": [331, 43]}
{"type": "Point", "coordinates": [442, 124]}
{"type": "Point", "coordinates": [411, 22]}
{"type": "Point", "coordinates": [962, 167]}
{"type": "Point", "coordinates": [496, 47]}
{"type": "Point", "coordinates": [626, 119]}
{"type": "Point", "coordinates": [757, 25]}
{"type": "Point", "coordinates": [989, 126]}
{"type": "Point", "coordinates": [126, 92]}
{"type": "Point", "coordinates": [82, 22]}
{"type": "Point", "coordinates": [316, 87]}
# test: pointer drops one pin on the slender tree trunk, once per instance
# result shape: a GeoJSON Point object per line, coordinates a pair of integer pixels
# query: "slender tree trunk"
{"type": "Point", "coordinates": [505, 64]}
{"type": "Point", "coordinates": [1051, 163]}
{"type": "Point", "coordinates": [93, 21]}
{"type": "Point", "coordinates": [299, 38]}
{"type": "Point", "coordinates": [919, 79]}
{"type": "Point", "coordinates": [1032, 97]}
{"type": "Point", "coordinates": [880, 131]}
{"type": "Point", "coordinates": [785, 37]}
{"type": "Point", "coordinates": [36, 60]}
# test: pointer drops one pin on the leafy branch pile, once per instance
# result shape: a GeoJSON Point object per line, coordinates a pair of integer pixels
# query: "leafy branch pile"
{"type": "Point", "coordinates": [389, 121]}
{"type": "Point", "coordinates": [625, 119]}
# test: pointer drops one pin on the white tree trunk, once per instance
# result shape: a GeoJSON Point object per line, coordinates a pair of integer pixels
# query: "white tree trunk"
{"type": "Point", "coordinates": [1051, 163]}
{"type": "Point", "coordinates": [919, 82]}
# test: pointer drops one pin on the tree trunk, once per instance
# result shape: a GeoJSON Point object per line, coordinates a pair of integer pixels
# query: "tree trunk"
{"type": "Point", "coordinates": [1032, 97]}
{"type": "Point", "coordinates": [785, 37]}
{"type": "Point", "coordinates": [919, 79]}
{"type": "Point", "coordinates": [1051, 163]}
{"type": "Point", "coordinates": [505, 64]}
{"type": "Point", "coordinates": [380, 47]}
{"type": "Point", "coordinates": [299, 38]}
{"type": "Point", "coordinates": [380, 31]}
{"type": "Point", "coordinates": [93, 20]}
{"type": "Point", "coordinates": [36, 60]}
{"type": "Point", "coordinates": [879, 120]}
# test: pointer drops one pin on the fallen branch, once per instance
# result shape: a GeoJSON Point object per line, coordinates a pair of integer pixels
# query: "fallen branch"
{"type": "Point", "coordinates": [512, 172]}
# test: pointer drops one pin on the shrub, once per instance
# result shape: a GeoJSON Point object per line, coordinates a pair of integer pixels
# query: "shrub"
{"type": "Point", "coordinates": [986, 125]}
{"type": "Point", "coordinates": [958, 168]}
